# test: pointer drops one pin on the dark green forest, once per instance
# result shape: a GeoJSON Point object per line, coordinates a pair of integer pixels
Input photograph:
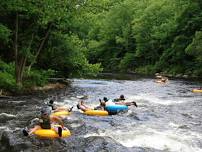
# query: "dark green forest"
{"type": "Point", "coordinates": [67, 38]}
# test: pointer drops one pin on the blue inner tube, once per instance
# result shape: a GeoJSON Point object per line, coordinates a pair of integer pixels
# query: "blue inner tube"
{"type": "Point", "coordinates": [114, 109]}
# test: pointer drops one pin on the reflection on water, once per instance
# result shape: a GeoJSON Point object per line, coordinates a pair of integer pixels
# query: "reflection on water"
{"type": "Point", "coordinates": [168, 117]}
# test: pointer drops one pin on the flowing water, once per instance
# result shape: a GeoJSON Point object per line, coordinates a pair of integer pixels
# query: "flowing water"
{"type": "Point", "coordinates": [168, 116]}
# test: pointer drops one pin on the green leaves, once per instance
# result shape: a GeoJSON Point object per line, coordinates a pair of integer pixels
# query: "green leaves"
{"type": "Point", "coordinates": [7, 79]}
{"type": "Point", "coordinates": [195, 48]}
{"type": "Point", "coordinates": [150, 33]}
{"type": "Point", "coordinates": [79, 37]}
{"type": "Point", "coordinates": [5, 33]}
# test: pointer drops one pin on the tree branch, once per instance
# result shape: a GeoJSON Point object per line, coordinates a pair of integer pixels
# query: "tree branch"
{"type": "Point", "coordinates": [40, 46]}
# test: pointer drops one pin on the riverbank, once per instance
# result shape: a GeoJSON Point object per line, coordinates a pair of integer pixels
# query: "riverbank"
{"type": "Point", "coordinates": [132, 75]}
{"type": "Point", "coordinates": [61, 83]}
{"type": "Point", "coordinates": [54, 84]}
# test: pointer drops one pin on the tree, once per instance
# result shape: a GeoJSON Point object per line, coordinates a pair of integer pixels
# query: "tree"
{"type": "Point", "coordinates": [31, 23]}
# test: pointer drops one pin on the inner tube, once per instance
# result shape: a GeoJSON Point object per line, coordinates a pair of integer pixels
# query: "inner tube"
{"type": "Point", "coordinates": [114, 109]}
{"type": "Point", "coordinates": [96, 113]}
{"type": "Point", "coordinates": [61, 113]}
{"type": "Point", "coordinates": [197, 90]}
{"type": "Point", "coordinates": [51, 133]}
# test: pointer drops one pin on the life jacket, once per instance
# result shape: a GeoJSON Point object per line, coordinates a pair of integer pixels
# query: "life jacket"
{"type": "Point", "coordinates": [45, 122]}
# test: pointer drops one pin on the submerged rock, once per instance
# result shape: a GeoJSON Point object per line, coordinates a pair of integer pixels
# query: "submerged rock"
{"type": "Point", "coordinates": [11, 141]}
{"type": "Point", "coordinates": [14, 141]}
{"type": "Point", "coordinates": [96, 144]}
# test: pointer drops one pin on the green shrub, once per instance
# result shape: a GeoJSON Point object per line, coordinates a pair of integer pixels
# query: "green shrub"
{"type": "Point", "coordinates": [177, 69]}
{"type": "Point", "coordinates": [85, 69]}
{"type": "Point", "coordinates": [36, 77]}
{"type": "Point", "coordinates": [7, 78]}
{"type": "Point", "coordinates": [7, 67]}
{"type": "Point", "coordinates": [148, 69]}
{"type": "Point", "coordinates": [197, 72]}
{"type": "Point", "coordinates": [92, 69]}
{"type": "Point", "coordinates": [4, 33]}
{"type": "Point", "coordinates": [128, 62]}
{"type": "Point", "coordinates": [7, 81]}
{"type": "Point", "coordinates": [112, 64]}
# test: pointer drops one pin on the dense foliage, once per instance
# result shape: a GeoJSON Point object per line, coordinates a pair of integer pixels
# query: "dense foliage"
{"type": "Point", "coordinates": [148, 36]}
{"type": "Point", "coordinates": [82, 37]}
{"type": "Point", "coordinates": [38, 35]}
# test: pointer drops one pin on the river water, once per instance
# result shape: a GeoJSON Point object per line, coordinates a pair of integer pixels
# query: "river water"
{"type": "Point", "coordinates": [168, 116]}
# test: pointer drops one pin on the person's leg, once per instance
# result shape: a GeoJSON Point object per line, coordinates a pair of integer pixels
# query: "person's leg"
{"type": "Point", "coordinates": [131, 103]}
{"type": "Point", "coordinates": [79, 106]}
{"type": "Point", "coordinates": [127, 103]}
{"type": "Point", "coordinates": [31, 131]}
{"type": "Point", "coordinates": [37, 127]}
{"type": "Point", "coordinates": [135, 104]}
{"type": "Point", "coordinates": [70, 109]}
{"type": "Point", "coordinates": [61, 109]}
{"type": "Point", "coordinates": [58, 130]}
{"type": "Point", "coordinates": [83, 107]}
{"type": "Point", "coordinates": [121, 103]}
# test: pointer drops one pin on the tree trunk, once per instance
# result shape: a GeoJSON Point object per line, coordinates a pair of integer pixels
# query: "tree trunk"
{"type": "Point", "coordinates": [17, 68]}
{"type": "Point", "coordinates": [40, 47]}
{"type": "Point", "coordinates": [20, 61]}
{"type": "Point", "coordinates": [22, 64]}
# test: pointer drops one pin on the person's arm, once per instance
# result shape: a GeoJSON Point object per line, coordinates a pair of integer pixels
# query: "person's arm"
{"type": "Point", "coordinates": [102, 108]}
{"type": "Point", "coordinates": [57, 119]}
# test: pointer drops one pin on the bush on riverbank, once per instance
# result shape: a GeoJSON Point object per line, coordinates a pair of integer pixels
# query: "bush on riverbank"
{"type": "Point", "coordinates": [33, 78]}
{"type": "Point", "coordinates": [7, 79]}
{"type": "Point", "coordinates": [149, 69]}
{"type": "Point", "coordinates": [37, 78]}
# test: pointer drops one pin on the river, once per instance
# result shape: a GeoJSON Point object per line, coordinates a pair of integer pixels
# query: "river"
{"type": "Point", "coordinates": [168, 117]}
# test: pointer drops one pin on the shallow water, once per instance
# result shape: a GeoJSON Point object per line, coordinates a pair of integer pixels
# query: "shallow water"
{"type": "Point", "coordinates": [168, 116]}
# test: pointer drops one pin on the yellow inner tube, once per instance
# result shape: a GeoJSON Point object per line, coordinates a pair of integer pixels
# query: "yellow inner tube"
{"type": "Point", "coordinates": [197, 90]}
{"type": "Point", "coordinates": [96, 113]}
{"type": "Point", "coordinates": [51, 133]}
{"type": "Point", "coordinates": [61, 113]}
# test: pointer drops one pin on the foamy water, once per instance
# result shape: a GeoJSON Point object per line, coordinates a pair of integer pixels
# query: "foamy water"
{"type": "Point", "coordinates": [168, 117]}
